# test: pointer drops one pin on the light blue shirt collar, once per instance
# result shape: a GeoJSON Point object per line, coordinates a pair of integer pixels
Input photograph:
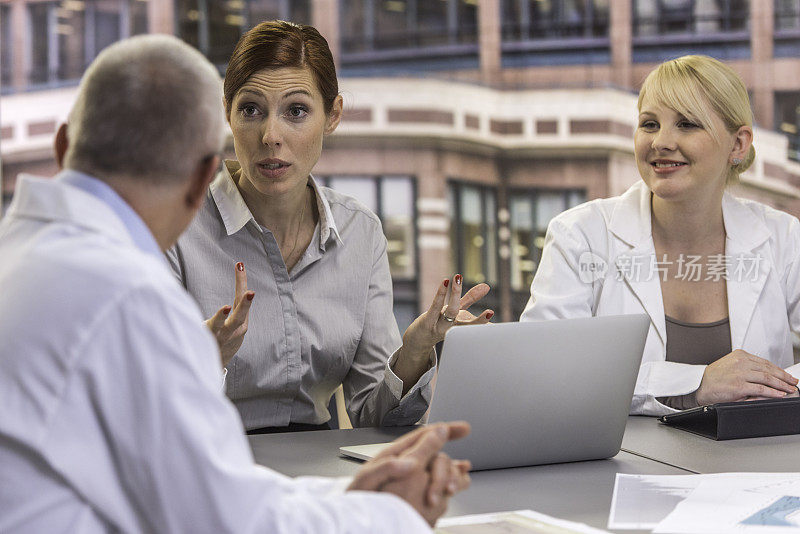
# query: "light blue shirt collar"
{"type": "Point", "coordinates": [138, 230]}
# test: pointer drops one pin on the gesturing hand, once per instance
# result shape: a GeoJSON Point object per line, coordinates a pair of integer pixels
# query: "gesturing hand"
{"type": "Point", "coordinates": [448, 308]}
{"type": "Point", "coordinates": [741, 375]}
{"type": "Point", "coordinates": [414, 469]}
{"type": "Point", "coordinates": [229, 324]}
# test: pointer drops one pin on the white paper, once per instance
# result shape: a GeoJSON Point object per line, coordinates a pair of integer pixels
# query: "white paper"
{"type": "Point", "coordinates": [518, 522]}
{"type": "Point", "coordinates": [640, 502]}
{"type": "Point", "coordinates": [751, 503]}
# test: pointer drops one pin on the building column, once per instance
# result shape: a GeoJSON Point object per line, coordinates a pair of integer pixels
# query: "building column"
{"type": "Point", "coordinates": [161, 16]}
{"type": "Point", "coordinates": [620, 32]}
{"type": "Point", "coordinates": [761, 49]}
{"type": "Point", "coordinates": [325, 18]}
{"type": "Point", "coordinates": [21, 43]}
{"type": "Point", "coordinates": [489, 40]}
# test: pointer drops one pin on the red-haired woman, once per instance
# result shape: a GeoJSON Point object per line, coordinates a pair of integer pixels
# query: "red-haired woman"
{"type": "Point", "coordinates": [316, 259]}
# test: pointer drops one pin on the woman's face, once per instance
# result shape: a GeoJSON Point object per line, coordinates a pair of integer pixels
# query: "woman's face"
{"type": "Point", "coordinates": [678, 158]}
{"type": "Point", "coordinates": [278, 120]}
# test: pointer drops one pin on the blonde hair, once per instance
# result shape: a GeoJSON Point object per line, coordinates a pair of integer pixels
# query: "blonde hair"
{"type": "Point", "coordinates": [689, 84]}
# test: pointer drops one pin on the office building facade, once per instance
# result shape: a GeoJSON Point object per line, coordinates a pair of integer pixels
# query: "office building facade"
{"type": "Point", "coordinates": [469, 124]}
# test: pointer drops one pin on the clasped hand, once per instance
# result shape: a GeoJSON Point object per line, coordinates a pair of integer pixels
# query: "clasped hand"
{"type": "Point", "coordinates": [415, 469]}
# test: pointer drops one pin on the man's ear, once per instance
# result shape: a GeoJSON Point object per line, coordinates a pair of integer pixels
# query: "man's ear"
{"type": "Point", "coordinates": [199, 181]}
{"type": "Point", "coordinates": [60, 145]}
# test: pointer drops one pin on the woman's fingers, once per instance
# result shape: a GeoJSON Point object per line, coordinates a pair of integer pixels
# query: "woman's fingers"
{"type": "Point", "coordinates": [241, 283]}
{"type": "Point", "coordinates": [475, 294]}
{"type": "Point", "coordinates": [466, 318]}
{"type": "Point", "coordinates": [438, 301]}
{"type": "Point", "coordinates": [453, 298]}
{"type": "Point", "coordinates": [216, 323]}
{"type": "Point", "coordinates": [767, 379]}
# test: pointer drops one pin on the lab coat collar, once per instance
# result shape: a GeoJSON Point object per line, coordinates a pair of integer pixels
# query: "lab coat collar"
{"type": "Point", "coordinates": [746, 255]}
{"type": "Point", "coordinates": [48, 199]}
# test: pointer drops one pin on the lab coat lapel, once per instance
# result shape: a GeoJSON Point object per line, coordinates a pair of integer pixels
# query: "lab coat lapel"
{"type": "Point", "coordinates": [630, 222]}
{"type": "Point", "coordinates": [748, 265]}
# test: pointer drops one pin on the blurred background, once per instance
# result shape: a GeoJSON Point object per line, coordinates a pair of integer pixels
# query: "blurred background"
{"type": "Point", "coordinates": [469, 124]}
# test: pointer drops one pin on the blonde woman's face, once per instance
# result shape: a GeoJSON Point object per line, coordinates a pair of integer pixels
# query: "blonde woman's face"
{"type": "Point", "coordinates": [678, 158]}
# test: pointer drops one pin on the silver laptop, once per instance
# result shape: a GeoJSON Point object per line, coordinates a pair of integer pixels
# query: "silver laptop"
{"type": "Point", "coordinates": [537, 393]}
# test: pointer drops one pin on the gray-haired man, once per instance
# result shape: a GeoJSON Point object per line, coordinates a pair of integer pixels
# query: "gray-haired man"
{"type": "Point", "coordinates": [113, 419]}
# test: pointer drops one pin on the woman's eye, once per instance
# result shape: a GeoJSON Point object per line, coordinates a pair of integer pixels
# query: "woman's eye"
{"type": "Point", "coordinates": [688, 124]}
{"type": "Point", "coordinates": [248, 110]}
{"type": "Point", "coordinates": [297, 112]}
{"type": "Point", "coordinates": [649, 125]}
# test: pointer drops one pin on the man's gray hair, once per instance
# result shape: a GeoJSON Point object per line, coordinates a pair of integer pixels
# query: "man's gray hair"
{"type": "Point", "coordinates": [149, 108]}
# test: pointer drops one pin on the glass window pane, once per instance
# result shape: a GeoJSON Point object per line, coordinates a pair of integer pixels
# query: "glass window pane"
{"type": "Point", "coordinates": [522, 236]}
{"type": "Point", "coordinates": [575, 197]}
{"type": "Point", "coordinates": [138, 23]}
{"type": "Point", "coordinates": [361, 188]}
{"type": "Point", "coordinates": [452, 201]}
{"type": "Point", "coordinates": [106, 14]}
{"type": "Point", "coordinates": [6, 53]}
{"type": "Point", "coordinates": [491, 238]}
{"type": "Point", "coordinates": [432, 22]}
{"type": "Point", "coordinates": [473, 241]}
{"type": "Point", "coordinates": [548, 205]}
{"type": "Point", "coordinates": [397, 210]}
{"type": "Point", "coordinates": [40, 50]}
{"type": "Point", "coordinates": [391, 23]}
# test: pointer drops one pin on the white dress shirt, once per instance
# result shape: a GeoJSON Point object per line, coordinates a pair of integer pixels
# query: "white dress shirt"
{"type": "Point", "coordinates": [328, 321]}
{"type": "Point", "coordinates": [599, 259]}
{"type": "Point", "coordinates": [112, 416]}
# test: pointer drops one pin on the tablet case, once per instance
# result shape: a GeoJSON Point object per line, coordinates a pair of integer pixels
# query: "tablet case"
{"type": "Point", "coordinates": [735, 420]}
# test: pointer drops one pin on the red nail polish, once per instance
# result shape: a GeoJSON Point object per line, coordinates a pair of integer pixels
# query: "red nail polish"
{"type": "Point", "coordinates": [489, 315]}
{"type": "Point", "coordinates": [240, 266]}
{"type": "Point", "coordinates": [446, 282]}
{"type": "Point", "coordinates": [226, 310]}
{"type": "Point", "coordinates": [250, 296]}
{"type": "Point", "coordinates": [458, 279]}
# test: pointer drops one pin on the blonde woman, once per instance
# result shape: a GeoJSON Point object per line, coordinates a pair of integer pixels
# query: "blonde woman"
{"type": "Point", "coordinates": [718, 276]}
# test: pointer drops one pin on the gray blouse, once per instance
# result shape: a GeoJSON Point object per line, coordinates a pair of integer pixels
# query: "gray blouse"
{"type": "Point", "coordinates": [695, 344]}
{"type": "Point", "coordinates": [328, 321]}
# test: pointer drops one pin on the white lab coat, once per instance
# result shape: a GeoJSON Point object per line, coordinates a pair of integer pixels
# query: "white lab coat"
{"type": "Point", "coordinates": [112, 416]}
{"type": "Point", "coordinates": [588, 269]}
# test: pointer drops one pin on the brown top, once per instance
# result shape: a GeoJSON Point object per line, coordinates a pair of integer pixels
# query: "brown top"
{"type": "Point", "coordinates": [695, 344]}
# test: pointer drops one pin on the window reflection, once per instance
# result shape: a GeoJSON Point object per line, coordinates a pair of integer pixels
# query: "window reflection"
{"type": "Point", "coordinates": [530, 213]}
{"type": "Point", "coordinates": [214, 27]}
{"type": "Point", "coordinates": [6, 54]}
{"type": "Point", "coordinates": [67, 35]}
{"type": "Point", "coordinates": [473, 231]}
{"type": "Point", "coordinates": [397, 214]}
{"type": "Point", "coordinates": [391, 198]}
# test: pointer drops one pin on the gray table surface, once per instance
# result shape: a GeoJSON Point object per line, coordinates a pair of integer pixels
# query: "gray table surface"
{"type": "Point", "coordinates": [578, 491]}
{"type": "Point", "coordinates": [646, 437]}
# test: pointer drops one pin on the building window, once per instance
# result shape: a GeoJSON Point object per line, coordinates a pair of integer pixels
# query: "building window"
{"type": "Point", "coordinates": [473, 237]}
{"type": "Point", "coordinates": [6, 53]}
{"type": "Point", "coordinates": [554, 19]}
{"type": "Point", "coordinates": [787, 117]}
{"type": "Point", "coordinates": [66, 36]}
{"type": "Point", "coordinates": [787, 28]}
{"type": "Point", "coordinates": [665, 29]}
{"type": "Point", "coordinates": [399, 32]}
{"type": "Point", "coordinates": [214, 27]}
{"type": "Point", "coordinates": [530, 212]}
{"type": "Point", "coordinates": [660, 17]}
{"type": "Point", "coordinates": [391, 198]}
